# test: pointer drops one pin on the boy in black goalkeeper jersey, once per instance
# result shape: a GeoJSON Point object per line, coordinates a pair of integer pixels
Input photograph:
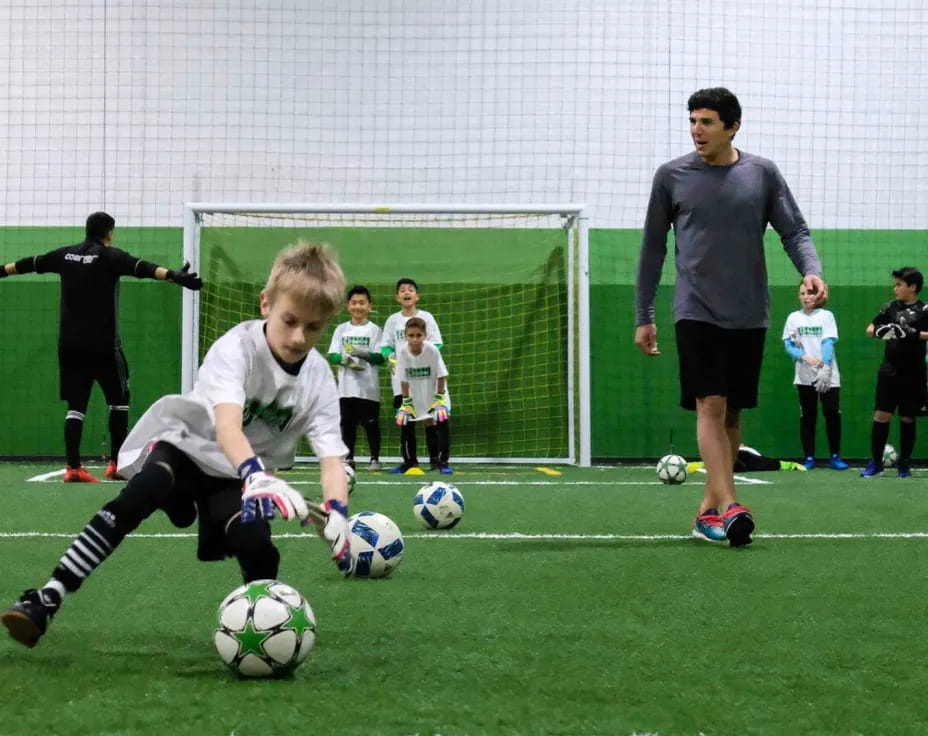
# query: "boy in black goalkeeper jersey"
{"type": "Point", "coordinates": [900, 383]}
{"type": "Point", "coordinates": [89, 348]}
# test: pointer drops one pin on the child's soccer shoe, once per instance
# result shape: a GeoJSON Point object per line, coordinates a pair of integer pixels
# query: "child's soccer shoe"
{"type": "Point", "coordinates": [739, 525]}
{"type": "Point", "coordinates": [28, 618]}
{"type": "Point", "coordinates": [709, 526]}
{"type": "Point", "coordinates": [809, 463]}
{"type": "Point", "coordinates": [445, 469]}
{"type": "Point", "coordinates": [903, 469]}
{"type": "Point", "coordinates": [374, 466]}
{"type": "Point", "coordinates": [872, 470]}
{"type": "Point", "coordinates": [111, 473]}
{"type": "Point", "coordinates": [836, 463]}
{"type": "Point", "coordinates": [78, 475]}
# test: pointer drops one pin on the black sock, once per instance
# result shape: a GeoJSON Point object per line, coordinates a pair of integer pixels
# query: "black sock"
{"type": "Point", "coordinates": [444, 442]}
{"type": "Point", "coordinates": [431, 440]}
{"type": "Point", "coordinates": [88, 551]}
{"type": "Point", "coordinates": [879, 433]}
{"type": "Point", "coordinates": [119, 428]}
{"type": "Point", "coordinates": [906, 440]}
{"type": "Point", "coordinates": [73, 429]}
{"type": "Point", "coordinates": [833, 429]}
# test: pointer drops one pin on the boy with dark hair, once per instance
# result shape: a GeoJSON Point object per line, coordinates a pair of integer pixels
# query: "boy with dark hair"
{"type": "Point", "coordinates": [424, 386]}
{"type": "Point", "coordinates": [210, 453]}
{"type": "Point", "coordinates": [719, 201]}
{"type": "Point", "coordinates": [394, 336]}
{"type": "Point", "coordinates": [900, 382]}
{"type": "Point", "coordinates": [354, 350]}
{"type": "Point", "coordinates": [89, 348]}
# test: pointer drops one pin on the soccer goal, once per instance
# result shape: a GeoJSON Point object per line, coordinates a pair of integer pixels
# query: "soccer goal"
{"type": "Point", "coordinates": [507, 284]}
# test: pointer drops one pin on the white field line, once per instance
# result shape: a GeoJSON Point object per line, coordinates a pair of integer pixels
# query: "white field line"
{"type": "Point", "coordinates": [509, 536]}
{"type": "Point", "coordinates": [48, 477]}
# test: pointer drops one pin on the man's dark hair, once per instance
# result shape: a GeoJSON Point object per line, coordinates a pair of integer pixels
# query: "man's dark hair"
{"type": "Point", "coordinates": [358, 289]}
{"type": "Point", "coordinates": [912, 276]}
{"type": "Point", "coordinates": [412, 283]}
{"type": "Point", "coordinates": [99, 225]}
{"type": "Point", "coordinates": [719, 99]}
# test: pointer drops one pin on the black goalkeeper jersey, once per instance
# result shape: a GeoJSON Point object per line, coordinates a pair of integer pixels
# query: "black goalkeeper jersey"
{"type": "Point", "coordinates": [90, 274]}
{"type": "Point", "coordinates": [904, 358]}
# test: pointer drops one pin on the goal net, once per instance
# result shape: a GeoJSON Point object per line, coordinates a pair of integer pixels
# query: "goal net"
{"type": "Point", "coordinates": [506, 285]}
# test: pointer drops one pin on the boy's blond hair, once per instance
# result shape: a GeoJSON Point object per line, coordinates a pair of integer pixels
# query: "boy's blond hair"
{"type": "Point", "coordinates": [310, 274]}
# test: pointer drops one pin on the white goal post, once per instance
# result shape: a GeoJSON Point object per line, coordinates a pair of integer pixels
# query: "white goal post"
{"type": "Point", "coordinates": [198, 215]}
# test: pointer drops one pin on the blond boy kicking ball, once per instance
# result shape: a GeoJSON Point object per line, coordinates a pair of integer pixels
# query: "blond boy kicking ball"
{"type": "Point", "coordinates": [424, 384]}
{"type": "Point", "coordinates": [207, 455]}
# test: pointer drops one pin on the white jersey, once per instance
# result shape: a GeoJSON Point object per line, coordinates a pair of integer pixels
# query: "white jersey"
{"type": "Point", "coordinates": [421, 372]}
{"type": "Point", "coordinates": [394, 335]}
{"type": "Point", "coordinates": [808, 331]}
{"type": "Point", "coordinates": [278, 408]}
{"type": "Point", "coordinates": [363, 384]}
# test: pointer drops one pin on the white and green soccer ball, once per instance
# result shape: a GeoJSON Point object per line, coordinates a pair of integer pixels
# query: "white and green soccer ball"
{"type": "Point", "coordinates": [671, 469]}
{"type": "Point", "coordinates": [376, 544]}
{"type": "Point", "coordinates": [438, 505]}
{"type": "Point", "coordinates": [350, 477]}
{"type": "Point", "coordinates": [266, 629]}
{"type": "Point", "coordinates": [889, 456]}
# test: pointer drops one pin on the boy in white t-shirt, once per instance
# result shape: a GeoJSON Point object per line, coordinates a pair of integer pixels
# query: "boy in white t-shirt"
{"type": "Point", "coordinates": [207, 454]}
{"type": "Point", "coordinates": [394, 337]}
{"type": "Point", "coordinates": [424, 385]}
{"type": "Point", "coordinates": [809, 337]}
{"type": "Point", "coordinates": [354, 350]}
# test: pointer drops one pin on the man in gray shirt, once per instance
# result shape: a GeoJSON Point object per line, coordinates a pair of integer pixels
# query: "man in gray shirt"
{"type": "Point", "coordinates": [719, 201]}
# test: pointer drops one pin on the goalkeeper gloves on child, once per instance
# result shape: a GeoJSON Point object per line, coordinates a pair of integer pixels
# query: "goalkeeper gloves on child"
{"type": "Point", "coordinates": [331, 522]}
{"type": "Point", "coordinates": [406, 412]}
{"type": "Point", "coordinates": [439, 408]}
{"type": "Point", "coordinates": [261, 492]}
{"type": "Point", "coordinates": [891, 331]}
{"type": "Point", "coordinates": [822, 381]}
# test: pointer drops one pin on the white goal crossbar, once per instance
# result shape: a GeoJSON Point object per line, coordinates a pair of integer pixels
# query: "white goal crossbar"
{"type": "Point", "coordinates": [578, 284]}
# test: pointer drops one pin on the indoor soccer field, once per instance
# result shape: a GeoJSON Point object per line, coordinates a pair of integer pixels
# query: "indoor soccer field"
{"type": "Point", "coordinates": [567, 601]}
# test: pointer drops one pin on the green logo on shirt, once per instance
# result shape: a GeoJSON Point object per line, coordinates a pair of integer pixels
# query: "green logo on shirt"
{"type": "Point", "coordinates": [419, 372]}
{"type": "Point", "coordinates": [273, 415]}
{"type": "Point", "coordinates": [811, 331]}
{"type": "Point", "coordinates": [361, 341]}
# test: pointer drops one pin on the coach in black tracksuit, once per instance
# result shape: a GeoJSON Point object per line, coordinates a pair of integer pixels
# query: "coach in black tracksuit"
{"type": "Point", "coordinates": [89, 348]}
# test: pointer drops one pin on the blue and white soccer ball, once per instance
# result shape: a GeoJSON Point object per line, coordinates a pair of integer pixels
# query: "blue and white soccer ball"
{"type": "Point", "coordinates": [671, 469]}
{"type": "Point", "coordinates": [266, 629]}
{"type": "Point", "coordinates": [376, 544]}
{"type": "Point", "coordinates": [438, 505]}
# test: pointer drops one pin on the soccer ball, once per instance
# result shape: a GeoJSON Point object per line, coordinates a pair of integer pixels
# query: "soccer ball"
{"type": "Point", "coordinates": [889, 456]}
{"type": "Point", "coordinates": [266, 629]}
{"type": "Point", "coordinates": [438, 505]}
{"type": "Point", "coordinates": [376, 544]}
{"type": "Point", "coordinates": [671, 469]}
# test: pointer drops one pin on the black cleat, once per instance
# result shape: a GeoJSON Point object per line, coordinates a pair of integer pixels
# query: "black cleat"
{"type": "Point", "coordinates": [27, 619]}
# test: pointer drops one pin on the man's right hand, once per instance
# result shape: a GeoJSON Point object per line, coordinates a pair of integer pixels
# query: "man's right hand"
{"type": "Point", "coordinates": [646, 339]}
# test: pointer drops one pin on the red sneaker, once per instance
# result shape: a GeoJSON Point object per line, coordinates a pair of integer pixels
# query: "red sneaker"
{"type": "Point", "coordinates": [78, 475]}
{"type": "Point", "coordinates": [111, 472]}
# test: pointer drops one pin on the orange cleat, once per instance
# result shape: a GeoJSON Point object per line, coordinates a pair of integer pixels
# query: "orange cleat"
{"type": "Point", "coordinates": [78, 475]}
{"type": "Point", "coordinates": [111, 473]}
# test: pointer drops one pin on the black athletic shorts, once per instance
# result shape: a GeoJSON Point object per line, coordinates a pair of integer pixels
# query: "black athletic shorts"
{"type": "Point", "coordinates": [903, 393]}
{"type": "Point", "coordinates": [715, 361]}
{"type": "Point", "coordinates": [79, 368]}
{"type": "Point", "coordinates": [217, 500]}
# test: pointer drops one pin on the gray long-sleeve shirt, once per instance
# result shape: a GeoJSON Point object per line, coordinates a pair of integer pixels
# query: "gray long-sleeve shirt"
{"type": "Point", "coordinates": [719, 215]}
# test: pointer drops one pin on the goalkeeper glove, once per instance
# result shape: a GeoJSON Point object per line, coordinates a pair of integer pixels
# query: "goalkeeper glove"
{"type": "Point", "coordinates": [822, 381]}
{"type": "Point", "coordinates": [392, 363]}
{"type": "Point", "coordinates": [406, 412]}
{"type": "Point", "coordinates": [351, 363]}
{"type": "Point", "coordinates": [186, 278]}
{"type": "Point", "coordinates": [891, 331]}
{"type": "Point", "coordinates": [331, 522]}
{"type": "Point", "coordinates": [439, 408]}
{"type": "Point", "coordinates": [362, 353]}
{"type": "Point", "coordinates": [261, 492]}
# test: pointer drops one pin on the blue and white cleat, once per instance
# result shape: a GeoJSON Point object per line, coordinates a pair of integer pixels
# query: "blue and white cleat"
{"type": "Point", "coordinates": [872, 470]}
{"type": "Point", "coordinates": [709, 527]}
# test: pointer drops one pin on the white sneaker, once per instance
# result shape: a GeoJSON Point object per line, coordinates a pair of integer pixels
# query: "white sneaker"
{"type": "Point", "coordinates": [374, 466]}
